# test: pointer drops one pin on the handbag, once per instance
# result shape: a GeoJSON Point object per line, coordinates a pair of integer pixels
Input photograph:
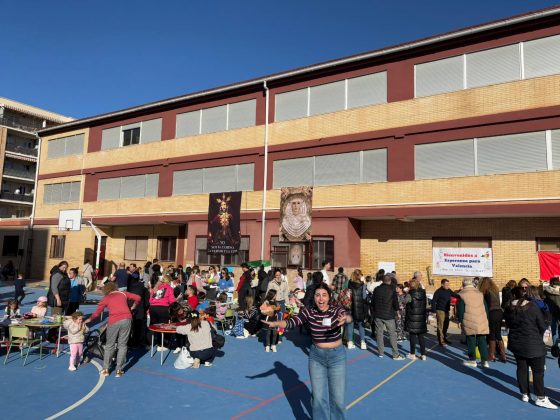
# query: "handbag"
{"type": "Point", "coordinates": [218, 340]}
{"type": "Point", "coordinates": [184, 360]}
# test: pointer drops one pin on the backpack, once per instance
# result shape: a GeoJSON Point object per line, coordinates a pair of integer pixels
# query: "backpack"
{"type": "Point", "coordinates": [345, 299]}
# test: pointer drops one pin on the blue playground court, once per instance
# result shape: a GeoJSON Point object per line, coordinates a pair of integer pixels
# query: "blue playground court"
{"type": "Point", "coordinates": [247, 383]}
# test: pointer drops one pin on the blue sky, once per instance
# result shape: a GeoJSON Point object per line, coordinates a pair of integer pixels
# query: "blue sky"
{"type": "Point", "coordinates": [86, 58]}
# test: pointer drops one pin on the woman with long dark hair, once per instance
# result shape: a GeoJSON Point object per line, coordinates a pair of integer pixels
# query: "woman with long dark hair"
{"type": "Point", "coordinates": [327, 356]}
{"type": "Point", "coordinates": [526, 328]}
{"type": "Point", "coordinates": [495, 314]}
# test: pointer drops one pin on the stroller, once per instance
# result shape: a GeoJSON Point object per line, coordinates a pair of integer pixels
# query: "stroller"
{"type": "Point", "coordinates": [94, 344]}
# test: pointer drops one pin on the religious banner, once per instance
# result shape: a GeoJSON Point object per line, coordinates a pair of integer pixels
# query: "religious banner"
{"type": "Point", "coordinates": [549, 263]}
{"type": "Point", "coordinates": [224, 232]}
{"type": "Point", "coordinates": [295, 214]}
{"type": "Point", "coordinates": [470, 262]}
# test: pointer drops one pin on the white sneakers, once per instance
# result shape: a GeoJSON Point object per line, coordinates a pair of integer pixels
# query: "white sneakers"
{"type": "Point", "coordinates": [267, 349]}
{"type": "Point", "coordinates": [273, 348]}
{"type": "Point", "coordinates": [399, 358]}
{"type": "Point", "coordinates": [350, 345]}
{"type": "Point", "coordinates": [196, 363]}
{"type": "Point", "coordinates": [470, 363]}
{"type": "Point", "coordinates": [160, 348]}
{"type": "Point", "coordinates": [486, 365]}
{"type": "Point", "coordinates": [363, 345]}
{"type": "Point", "coordinates": [524, 398]}
{"type": "Point", "coordinates": [207, 364]}
{"type": "Point", "coordinates": [545, 403]}
{"type": "Point", "coordinates": [72, 368]}
{"type": "Point", "coordinates": [411, 356]}
{"type": "Point", "coordinates": [423, 357]}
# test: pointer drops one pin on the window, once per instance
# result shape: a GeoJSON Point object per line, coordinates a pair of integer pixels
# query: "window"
{"type": "Point", "coordinates": [137, 133]}
{"type": "Point", "coordinates": [219, 118]}
{"type": "Point", "coordinates": [548, 244]}
{"type": "Point", "coordinates": [439, 76]}
{"type": "Point", "coordinates": [66, 146]}
{"type": "Point", "coordinates": [135, 248]}
{"type": "Point", "coordinates": [344, 94]}
{"type": "Point", "coordinates": [217, 179]}
{"type": "Point", "coordinates": [541, 57]}
{"type": "Point", "coordinates": [10, 246]}
{"type": "Point", "coordinates": [66, 192]}
{"type": "Point", "coordinates": [497, 65]}
{"type": "Point", "coordinates": [166, 249]}
{"type": "Point", "coordinates": [131, 136]}
{"type": "Point", "coordinates": [461, 242]}
{"type": "Point", "coordinates": [203, 258]}
{"type": "Point", "coordinates": [137, 186]}
{"type": "Point", "coordinates": [307, 255]}
{"type": "Point", "coordinates": [336, 169]}
{"type": "Point", "coordinates": [57, 246]}
{"type": "Point", "coordinates": [444, 160]}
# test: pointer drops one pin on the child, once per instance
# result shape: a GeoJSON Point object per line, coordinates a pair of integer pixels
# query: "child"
{"type": "Point", "coordinates": [12, 310]}
{"type": "Point", "coordinates": [270, 310]}
{"type": "Point", "coordinates": [192, 298]}
{"type": "Point", "coordinates": [19, 284]}
{"type": "Point", "coordinates": [40, 310]}
{"type": "Point", "coordinates": [76, 336]}
{"type": "Point", "coordinates": [401, 313]}
{"type": "Point", "coordinates": [221, 306]}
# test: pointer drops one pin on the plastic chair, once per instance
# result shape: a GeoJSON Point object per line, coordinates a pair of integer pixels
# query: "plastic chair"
{"type": "Point", "coordinates": [228, 321]}
{"type": "Point", "coordinates": [19, 336]}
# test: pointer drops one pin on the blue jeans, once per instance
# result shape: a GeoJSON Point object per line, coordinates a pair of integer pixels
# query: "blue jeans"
{"type": "Point", "coordinates": [554, 328]}
{"type": "Point", "coordinates": [327, 368]}
{"type": "Point", "coordinates": [350, 331]}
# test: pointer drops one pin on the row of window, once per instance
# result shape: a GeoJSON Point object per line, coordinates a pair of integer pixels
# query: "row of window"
{"type": "Point", "coordinates": [65, 192]}
{"type": "Point", "coordinates": [217, 179]}
{"type": "Point", "coordinates": [137, 186]}
{"type": "Point", "coordinates": [331, 97]}
{"type": "Point", "coordinates": [126, 135]}
{"type": "Point", "coordinates": [341, 168]}
{"type": "Point", "coordinates": [524, 60]}
{"type": "Point", "coordinates": [65, 146]}
{"type": "Point", "coordinates": [524, 152]}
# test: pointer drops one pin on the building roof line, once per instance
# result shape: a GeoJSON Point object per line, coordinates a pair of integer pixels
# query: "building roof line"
{"type": "Point", "coordinates": [33, 110]}
{"type": "Point", "coordinates": [316, 67]}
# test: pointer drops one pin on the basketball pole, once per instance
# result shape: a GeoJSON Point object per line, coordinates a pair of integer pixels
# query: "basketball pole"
{"type": "Point", "coordinates": [98, 236]}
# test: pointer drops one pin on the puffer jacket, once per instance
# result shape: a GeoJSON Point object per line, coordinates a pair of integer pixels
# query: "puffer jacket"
{"type": "Point", "coordinates": [76, 334]}
{"type": "Point", "coordinates": [416, 315]}
{"type": "Point", "coordinates": [359, 310]}
{"type": "Point", "coordinates": [472, 312]}
{"type": "Point", "coordinates": [385, 302]}
{"type": "Point", "coordinates": [526, 328]}
{"type": "Point", "coordinates": [552, 299]}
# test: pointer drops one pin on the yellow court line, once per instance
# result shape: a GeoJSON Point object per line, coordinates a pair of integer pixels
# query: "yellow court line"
{"type": "Point", "coordinates": [384, 381]}
{"type": "Point", "coordinates": [85, 398]}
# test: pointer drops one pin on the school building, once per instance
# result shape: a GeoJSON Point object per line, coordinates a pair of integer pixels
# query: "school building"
{"type": "Point", "coordinates": [452, 141]}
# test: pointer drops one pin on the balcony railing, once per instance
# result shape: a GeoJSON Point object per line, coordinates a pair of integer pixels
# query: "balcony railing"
{"type": "Point", "coordinates": [19, 173]}
{"type": "Point", "coordinates": [21, 149]}
{"type": "Point", "coordinates": [16, 197]}
{"type": "Point", "coordinates": [16, 123]}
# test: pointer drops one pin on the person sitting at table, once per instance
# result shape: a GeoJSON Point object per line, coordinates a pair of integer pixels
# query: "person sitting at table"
{"type": "Point", "coordinates": [12, 310]}
{"type": "Point", "coordinates": [225, 284]}
{"type": "Point", "coordinates": [199, 334]}
{"type": "Point", "coordinates": [192, 298]}
{"type": "Point", "coordinates": [118, 326]}
{"type": "Point", "coordinates": [178, 314]}
{"type": "Point", "coordinates": [221, 306]}
{"type": "Point", "coordinates": [40, 310]}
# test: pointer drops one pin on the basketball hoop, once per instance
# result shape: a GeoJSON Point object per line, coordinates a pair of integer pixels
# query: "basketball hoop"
{"type": "Point", "coordinates": [70, 220]}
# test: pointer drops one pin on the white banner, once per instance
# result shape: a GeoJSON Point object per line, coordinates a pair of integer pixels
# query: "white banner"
{"type": "Point", "coordinates": [469, 262]}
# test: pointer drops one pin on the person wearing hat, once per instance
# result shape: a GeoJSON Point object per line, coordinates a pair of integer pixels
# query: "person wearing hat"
{"type": "Point", "coordinates": [40, 310]}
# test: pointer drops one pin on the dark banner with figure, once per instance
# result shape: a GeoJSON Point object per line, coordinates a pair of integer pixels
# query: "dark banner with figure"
{"type": "Point", "coordinates": [295, 214]}
{"type": "Point", "coordinates": [224, 233]}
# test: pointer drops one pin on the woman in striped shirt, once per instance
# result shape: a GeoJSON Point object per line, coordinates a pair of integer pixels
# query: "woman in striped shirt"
{"type": "Point", "coordinates": [327, 357]}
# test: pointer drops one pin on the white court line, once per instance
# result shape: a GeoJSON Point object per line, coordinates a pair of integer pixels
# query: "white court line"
{"type": "Point", "coordinates": [85, 398]}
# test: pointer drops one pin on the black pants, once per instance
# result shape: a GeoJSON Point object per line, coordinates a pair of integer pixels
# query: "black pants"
{"type": "Point", "coordinates": [159, 315]}
{"type": "Point", "coordinates": [537, 367]}
{"type": "Point", "coordinates": [72, 307]}
{"type": "Point", "coordinates": [495, 324]}
{"type": "Point", "coordinates": [139, 330]}
{"type": "Point", "coordinates": [413, 339]}
{"type": "Point", "coordinates": [20, 297]}
{"type": "Point", "coordinates": [206, 355]}
{"type": "Point", "coordinates": [271, 336]}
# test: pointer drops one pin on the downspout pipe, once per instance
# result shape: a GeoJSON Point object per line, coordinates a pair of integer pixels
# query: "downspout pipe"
{"type": "Point", "coordinates": [265, 174]}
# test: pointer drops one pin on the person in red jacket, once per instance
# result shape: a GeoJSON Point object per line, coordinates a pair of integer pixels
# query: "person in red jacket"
{"type": "Point", "coordinates": [118, 326]}
{"type": "Point", "coordinates": [160, 300]}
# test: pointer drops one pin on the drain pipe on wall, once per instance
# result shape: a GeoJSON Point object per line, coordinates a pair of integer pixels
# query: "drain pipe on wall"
{"type": "Point", "coordinates": [29, 245]}
{"type": "Point", "coordinates": [265, 175]}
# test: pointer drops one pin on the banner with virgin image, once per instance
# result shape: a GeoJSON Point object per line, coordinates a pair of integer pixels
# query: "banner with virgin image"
{"type": "Point", "coordinates": [224, 232]}
{"type": "Point", "coordinates": [295, 214]}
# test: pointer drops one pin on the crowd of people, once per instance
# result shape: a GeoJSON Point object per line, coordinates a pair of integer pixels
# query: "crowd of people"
{"type": "Point", "coordinates": [336, 310]}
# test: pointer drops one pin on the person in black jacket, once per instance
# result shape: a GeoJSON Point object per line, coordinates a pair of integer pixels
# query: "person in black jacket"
{"type": "Point", "coordinates": [441, 304]}
{"type": "Point", "coordinates": [358, 310]}
{"type": "Point", "coordinates": [416, 321]}
{"type": "Point", "coordinates": [139, 323]}
{"type": "Point", "coordinates": [526, 328]}
{"type": "Point", "coordinates": [58, 295]}
{"type": "Point", "coordinates": [506, 293]}
{"type": "Point", "coordinates": [385, 306]}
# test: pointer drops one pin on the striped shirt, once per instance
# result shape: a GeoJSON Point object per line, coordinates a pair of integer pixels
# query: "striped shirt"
{"type": "Point", "coordinates": [321, 331]}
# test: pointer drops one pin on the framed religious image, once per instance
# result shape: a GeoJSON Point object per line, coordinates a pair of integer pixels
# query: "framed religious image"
{"type": "Point", "coordinates": [295, 214]}
{"type": "Point", "coordinates": [296, 255]}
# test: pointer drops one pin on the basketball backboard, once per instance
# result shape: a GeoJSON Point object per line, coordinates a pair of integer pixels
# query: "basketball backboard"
{"type": "Point", "coordinates": [70, 220]}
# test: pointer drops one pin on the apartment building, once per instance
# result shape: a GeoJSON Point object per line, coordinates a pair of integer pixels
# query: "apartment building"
{"type": "Point", "coordinates": [19, 148]}
{"type": "Point", "coordinates": [449, 141]}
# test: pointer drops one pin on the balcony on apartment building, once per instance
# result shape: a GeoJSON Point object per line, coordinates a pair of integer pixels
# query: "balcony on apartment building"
{"type": "Point", "coordinates": [22, 150]}
{"type": "Point", "coordinates": [20, 198]}
{"type": "Point", "coordinates": [20, 174]}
